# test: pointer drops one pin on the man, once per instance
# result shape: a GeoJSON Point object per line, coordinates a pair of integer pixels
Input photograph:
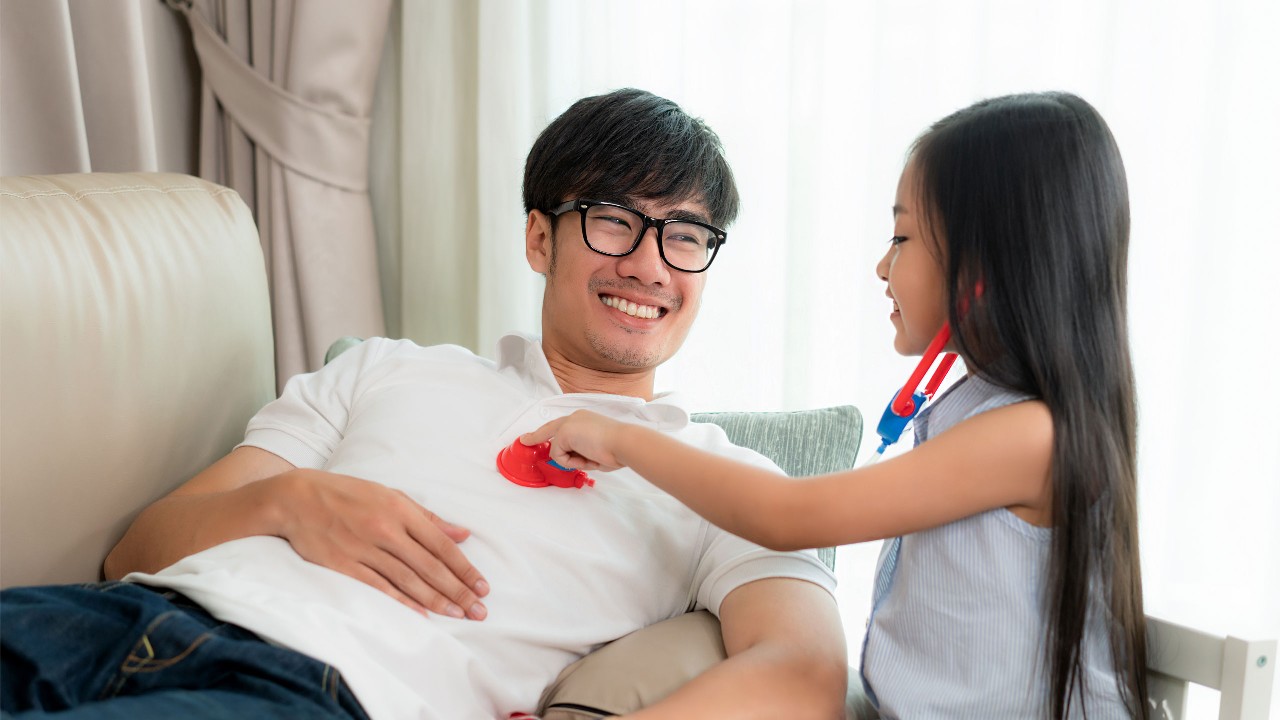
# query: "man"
{"type": "Point", "coordinates": [303, 575]}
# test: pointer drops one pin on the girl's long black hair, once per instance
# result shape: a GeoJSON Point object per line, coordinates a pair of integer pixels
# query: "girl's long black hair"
{"type": "Point", "coordinates": [1028, 195]}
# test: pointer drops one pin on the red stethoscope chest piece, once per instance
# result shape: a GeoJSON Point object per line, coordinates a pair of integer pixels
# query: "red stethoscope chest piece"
{"type": "Point", "coordinates": [532, 466]}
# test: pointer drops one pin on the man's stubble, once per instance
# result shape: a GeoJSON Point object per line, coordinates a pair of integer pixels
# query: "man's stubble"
{"type": "Point", "coordinates": [626, 357]}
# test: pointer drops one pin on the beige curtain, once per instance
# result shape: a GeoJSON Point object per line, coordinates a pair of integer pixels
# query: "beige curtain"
{"type": "Point", "coordinates": [95, 85]}
{"type": "Point", "coordinates": [288, 88]}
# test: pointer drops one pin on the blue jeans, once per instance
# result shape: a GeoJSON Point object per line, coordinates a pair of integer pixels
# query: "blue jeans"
{"type": "Point", "coordinates": [120, 650]}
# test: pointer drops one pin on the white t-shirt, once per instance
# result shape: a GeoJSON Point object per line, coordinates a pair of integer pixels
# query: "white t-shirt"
{"type": "Point", "coordinates": [569, 569]}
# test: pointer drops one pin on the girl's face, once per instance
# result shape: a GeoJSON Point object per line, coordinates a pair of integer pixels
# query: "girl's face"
{"type": "Point", "coordinates": [913, 270]}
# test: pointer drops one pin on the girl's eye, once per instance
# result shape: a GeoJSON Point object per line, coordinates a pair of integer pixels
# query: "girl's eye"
{"type": "Point", "coordinates": [897, 239]}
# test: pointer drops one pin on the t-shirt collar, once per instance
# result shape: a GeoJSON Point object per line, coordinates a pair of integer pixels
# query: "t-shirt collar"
{"type": "Point", "coordinates": [522, 355]}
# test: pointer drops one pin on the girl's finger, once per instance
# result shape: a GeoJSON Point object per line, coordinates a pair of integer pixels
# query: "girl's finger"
{"type": "Point", "coordinates": [543, 433]}
{"type": "Point", "coordinates": [581, 462]}
{"type": "Point", "coordinates": [564, 458]}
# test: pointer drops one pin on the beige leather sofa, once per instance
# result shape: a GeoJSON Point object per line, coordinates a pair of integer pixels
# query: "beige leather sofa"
{"type": "Point", "coordinates": [135, 343]}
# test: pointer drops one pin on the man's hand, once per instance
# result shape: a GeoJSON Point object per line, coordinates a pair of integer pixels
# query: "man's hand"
{"type": "Point", "coordinates": [359, 528]}
{"type": "Point", "coordinates": [583, 440]}
{"type": "Point", "coordinates": [380, 537]}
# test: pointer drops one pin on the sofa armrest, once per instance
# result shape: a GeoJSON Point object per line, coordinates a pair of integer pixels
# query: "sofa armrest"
{"type": "Point", "coordinates": [135, 344]}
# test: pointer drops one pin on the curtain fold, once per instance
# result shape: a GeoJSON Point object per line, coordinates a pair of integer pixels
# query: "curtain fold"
{"type": "Point", "coordinates": [288, 89]}
{"type": "Point", "coordinates": [458, 108]}
{"type": "Point", "coordinates": [102, 86]}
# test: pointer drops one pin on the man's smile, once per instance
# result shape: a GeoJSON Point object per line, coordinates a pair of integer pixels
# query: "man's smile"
{"type": "Point", "coordinates": [637, 310]}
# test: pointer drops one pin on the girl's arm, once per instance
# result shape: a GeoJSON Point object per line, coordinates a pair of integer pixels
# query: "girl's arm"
{"type": "Point", "coordinates": [1000, 458]}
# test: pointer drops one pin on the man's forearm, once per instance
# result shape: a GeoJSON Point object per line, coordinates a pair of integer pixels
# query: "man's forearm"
{"type": "Point", "coordinates": [230, 499]}
{"type": "Point", "coordinates": [787, 658]}
{"type": "Point", "coordinates": [180, 525]}
{"type": "Point", "coordinates": [763, 682]}
{"type": "Point", "coordinates": [362, 529]}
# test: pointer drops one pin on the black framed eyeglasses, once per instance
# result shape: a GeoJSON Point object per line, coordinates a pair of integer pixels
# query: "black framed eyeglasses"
{"type": "Point", "coordinates": [616, 230]}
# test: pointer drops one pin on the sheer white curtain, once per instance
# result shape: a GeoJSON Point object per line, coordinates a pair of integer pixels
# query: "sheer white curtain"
{"type": "Point", "coordinates": [816, 103]}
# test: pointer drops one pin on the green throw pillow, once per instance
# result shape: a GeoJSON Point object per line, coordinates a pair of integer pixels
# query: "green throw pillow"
{"type": "Point", "coordinates": [804, 442]}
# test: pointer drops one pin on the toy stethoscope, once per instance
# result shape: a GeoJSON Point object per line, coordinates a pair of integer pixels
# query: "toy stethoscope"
{"type": "Point", "coordinates": [532, 466]}
{"type": "Point", "coordinates": [908, 401]}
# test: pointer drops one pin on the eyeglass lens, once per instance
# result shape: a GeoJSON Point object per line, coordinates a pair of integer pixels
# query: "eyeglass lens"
{"type": "Point", "coordinates": [614, 230]}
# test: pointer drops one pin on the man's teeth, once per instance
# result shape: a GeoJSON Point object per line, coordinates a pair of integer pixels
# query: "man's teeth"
{"type": "Point", "coordinates": [648, 312]}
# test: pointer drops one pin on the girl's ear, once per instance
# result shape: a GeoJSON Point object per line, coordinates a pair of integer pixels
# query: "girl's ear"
{"type": "Point", "coordinates": [537, 241]}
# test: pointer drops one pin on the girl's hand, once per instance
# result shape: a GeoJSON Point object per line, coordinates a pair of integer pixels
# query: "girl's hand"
{"type": "Point", "coordinates": [583, 440]}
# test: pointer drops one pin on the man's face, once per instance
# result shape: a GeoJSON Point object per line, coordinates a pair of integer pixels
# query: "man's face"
{"type": "Point", "coordinates": [612, 314]}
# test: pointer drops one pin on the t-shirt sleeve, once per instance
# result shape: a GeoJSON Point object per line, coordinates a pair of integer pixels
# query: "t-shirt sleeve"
{"type": "Point", "coordinates": [306, 423]}
{"type": "Point", "coordinates": [727, 562]}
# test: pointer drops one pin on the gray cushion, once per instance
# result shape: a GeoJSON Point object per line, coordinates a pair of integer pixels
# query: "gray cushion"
{"type": "Point", "coordinates": [340, 346]}
{"type": "Point", "coordinates": [805, 442]}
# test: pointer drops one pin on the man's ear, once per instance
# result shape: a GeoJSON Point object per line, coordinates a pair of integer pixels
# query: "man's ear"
{"type": "Point", "coordinates": [537, 241]}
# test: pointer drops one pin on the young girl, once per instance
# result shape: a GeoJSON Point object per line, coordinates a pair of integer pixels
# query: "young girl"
{"type": "Point", "coordinates": [1010, 586]}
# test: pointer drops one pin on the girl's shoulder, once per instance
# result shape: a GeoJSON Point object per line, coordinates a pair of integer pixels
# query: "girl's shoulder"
{"type": "Point", "coordinates": [1022, 421]}
{"type": "Point", "coordinates": [994, 445]}
{"type": "Point", "coordinates": [973, 395]}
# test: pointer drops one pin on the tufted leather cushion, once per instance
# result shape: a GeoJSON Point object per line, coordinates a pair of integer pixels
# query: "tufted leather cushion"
{"type": "Point", "coordinates": [135, 343]}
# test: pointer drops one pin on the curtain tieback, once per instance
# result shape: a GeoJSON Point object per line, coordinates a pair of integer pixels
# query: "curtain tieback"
{"type": "Point", "coordinates": [325, 145]}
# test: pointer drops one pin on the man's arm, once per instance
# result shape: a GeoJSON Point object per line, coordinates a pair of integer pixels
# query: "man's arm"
{"type": "Point", "coordinates": [359, 528]}
{"type": "Point", "coordinates": [787, 659]}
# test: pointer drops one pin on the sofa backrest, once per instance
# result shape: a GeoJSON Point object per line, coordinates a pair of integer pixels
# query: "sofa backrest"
{"type": "Point", "coordinates": [135, 343]}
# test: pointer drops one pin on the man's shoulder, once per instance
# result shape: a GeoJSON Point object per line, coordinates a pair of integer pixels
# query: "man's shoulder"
{"type": "Point", "coordinates": [377, 349]}
{"type": "Point", "coordinates": [379, 360]}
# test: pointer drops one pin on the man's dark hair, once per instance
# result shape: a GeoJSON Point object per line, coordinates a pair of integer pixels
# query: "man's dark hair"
{"type": "Point", "coordinates": [629, 145]}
